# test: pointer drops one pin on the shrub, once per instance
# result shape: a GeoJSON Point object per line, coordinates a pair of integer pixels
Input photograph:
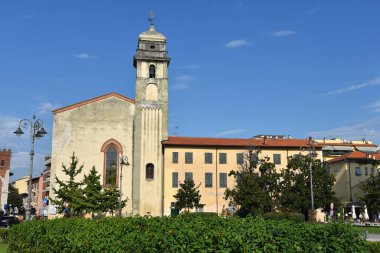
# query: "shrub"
{"type": "Point", "coordinates": [297, 217]}
{"type": "Point", "coordinates": [181, 234]}
{"type": "Point", "coordinates": [4, 235]}
{"type": "Point", "coordinates": [372, 247]}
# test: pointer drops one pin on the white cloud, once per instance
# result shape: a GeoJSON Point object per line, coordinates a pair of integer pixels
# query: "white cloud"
{"type": "Point", "coordinates": [373, 82]}
{"type": "Point", "coordinates": [315, 9]}
{"type": "Point", "coordinates": [369, 129]}
{"type": "Point", "coordinates": [8, 124]}
{"type": "Point", "coordinates": [184, 78]}
{"type": "Point", "coordinates": [374, 106]}
{"type": "Point", "coordinates": [236, 43]}
{"type": "Point", "coordinates": [283, 33]}
{"type": "Point", "coordinates": [230, 132]}
{"type": "Point", "coordinates": [189, 67]}
{"type": "Point", "coordinates": [46, 108]}
{"type": "Point", "coordinates": [180, 86]}
{"type": "Point", "coordinates": [20, 163]}
{"type": "Point", "coordinates": [84, 56]}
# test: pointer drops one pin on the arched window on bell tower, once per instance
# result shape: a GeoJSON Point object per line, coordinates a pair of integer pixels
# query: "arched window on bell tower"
{"type": "Point", "coordinates": [149, 171]}
{"type": "Point", "coordinates": [152, 71]}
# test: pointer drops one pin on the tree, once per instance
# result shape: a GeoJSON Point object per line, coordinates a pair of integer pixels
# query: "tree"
{"type": "Point", "coordinates": [92, 191]}
{"type": "Point", "coordinates": [111, 200]}
{"type": "Point", "coordinates": [295, 185]}
{"type": "Point", "coordinates": [70, 191]}
{"type": "Point", "coordinates": [14, 197]}
{"type": "Point", "coordinates": [256, 186]}
{"type": "Point", "coordinates": [188, 196]}
{"type": "Point", "coordinates": [371, 189]}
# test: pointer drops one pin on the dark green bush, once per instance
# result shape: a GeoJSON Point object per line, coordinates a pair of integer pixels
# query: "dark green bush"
{"type": "Point", "coordinates": [4, 235]}
{"type": "Point", "coordinates": [181, 234]}
{"type": "Point", "coordinates": [202, 214]}
{"type": "Point", "coordinates": [297, 217]}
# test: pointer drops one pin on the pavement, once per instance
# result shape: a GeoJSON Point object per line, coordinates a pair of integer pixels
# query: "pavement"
{"type": "Point", "coordinates": [373, 237]}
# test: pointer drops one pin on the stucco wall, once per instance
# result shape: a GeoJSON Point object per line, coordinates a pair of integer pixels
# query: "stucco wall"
{"type": "Point", "coordinates": [85, 129]}
{"type": "Point", "coordinates": [212, 197]}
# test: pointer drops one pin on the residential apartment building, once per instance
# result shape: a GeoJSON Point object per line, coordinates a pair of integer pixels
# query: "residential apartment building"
{"type": "Point", "coordinates": [5, 165]}
{"type": "Point", "coordinates": [351, 171]}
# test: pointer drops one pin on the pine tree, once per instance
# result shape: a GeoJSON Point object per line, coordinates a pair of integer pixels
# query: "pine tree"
{"type": "Point", "coordinates": [188, 196]}
{"type": "Point", "coordinates": [92, 191]}
{"type": "Point", "coordinates": [111, 200]}
{"type": "Point", "coordinates": [70, 191]}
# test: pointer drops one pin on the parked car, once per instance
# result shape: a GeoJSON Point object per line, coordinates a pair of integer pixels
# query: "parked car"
{"type": "Point", "coordinates": [8, 221]}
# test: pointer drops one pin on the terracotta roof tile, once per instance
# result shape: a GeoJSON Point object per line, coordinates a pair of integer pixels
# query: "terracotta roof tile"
{"type": "Point", "coordinates": [95, 99]}
{"type": "Point", "coordinates": [357, 155]}
{"type": "Point", "coordinates": [234, 142]}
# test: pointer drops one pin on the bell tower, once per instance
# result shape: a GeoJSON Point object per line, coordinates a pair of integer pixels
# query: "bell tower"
{"type": "Point", "coordinates": [151, 122]}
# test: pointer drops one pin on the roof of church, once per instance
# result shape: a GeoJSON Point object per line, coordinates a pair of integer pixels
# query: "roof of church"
{"type": "Point", "coordinates": [357, 155]}
{"type": "Point", "coordinates": [95, 99]}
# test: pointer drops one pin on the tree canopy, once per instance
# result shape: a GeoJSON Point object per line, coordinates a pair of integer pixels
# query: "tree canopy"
{"type": "Point", "coordinates": [188, 196]}
{"type": "Point", "coordinates": [256, 188]}
{"type": "Point", "coordinates": [371, 189]}
{"type": "Point", "coordinates": [295, 185]}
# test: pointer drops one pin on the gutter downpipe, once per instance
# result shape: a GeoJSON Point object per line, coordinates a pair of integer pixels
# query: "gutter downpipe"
{"type": "Point", "coordinates": [216, 180]}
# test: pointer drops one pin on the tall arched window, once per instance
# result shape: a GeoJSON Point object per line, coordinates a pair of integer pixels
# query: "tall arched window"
{"type": "Point", "coordinates": [149, 171]}
{"type": "Point", "coordinates": [111, 166]}
{"type": "Point", "coordinates": [152, 71]}
{"type": "Point", "coordinates": [111, 150]}
{"type": "Point", "coordinates": [2, 164]}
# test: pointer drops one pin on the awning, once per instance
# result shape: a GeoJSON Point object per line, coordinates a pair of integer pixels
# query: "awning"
{"type": "Point", "coordinates": [338, 148]}
{"type": "Point", "coordinates": [367, 149]}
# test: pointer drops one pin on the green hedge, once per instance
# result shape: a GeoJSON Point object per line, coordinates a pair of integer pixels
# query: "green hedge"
{"type": "Point", "coordinates": [181, 234]}
{"type": "Point", "coordinates": [372, 247]}
{"type": "Point", "coordinates": [4, 235]}
{"type": "Point", "coordinates": [297, 217]}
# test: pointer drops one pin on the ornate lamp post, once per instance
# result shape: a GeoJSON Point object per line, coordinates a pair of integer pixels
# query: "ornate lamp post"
{"type": "Point", "coordinates": [36, 131]}
{"type": "Point", "coordinates": [123, 161]}
{"type": "Point", "coordinates": [312, 154]}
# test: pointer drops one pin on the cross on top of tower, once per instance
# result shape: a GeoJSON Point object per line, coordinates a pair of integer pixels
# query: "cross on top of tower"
{"type": "Point", "coordinates": [151, 16]}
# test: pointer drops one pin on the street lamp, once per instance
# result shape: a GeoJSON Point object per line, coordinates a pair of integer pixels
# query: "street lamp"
{"type": "Point", "coordinates": [312, 154]}
{"type": "Point", "coordinates": [36, 131]}
{"type": "Point", "coordinates": [123, 161]}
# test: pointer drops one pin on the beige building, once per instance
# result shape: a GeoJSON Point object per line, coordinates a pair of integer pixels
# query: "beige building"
{"type": "Point", "coordinates": [103, 129]}
{"type": "Point", "coordinates": [351, 171]}
{"type": "Point", "coordinates": [22, 186]}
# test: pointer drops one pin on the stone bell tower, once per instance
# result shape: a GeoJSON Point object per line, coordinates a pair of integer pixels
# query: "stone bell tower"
{"type": "Point", "coordinates": [151, 122]}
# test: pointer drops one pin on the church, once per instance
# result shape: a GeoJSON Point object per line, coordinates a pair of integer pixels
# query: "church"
{"type": "Point", "coordinates": [104, 129]}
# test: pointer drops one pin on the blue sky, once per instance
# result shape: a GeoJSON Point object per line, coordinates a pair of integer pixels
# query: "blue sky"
{"type": "Point", "coordinates": [238, 69]}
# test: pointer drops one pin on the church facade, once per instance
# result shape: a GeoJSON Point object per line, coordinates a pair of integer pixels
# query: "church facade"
{"type": "Point", "coordinates": [103, 129]}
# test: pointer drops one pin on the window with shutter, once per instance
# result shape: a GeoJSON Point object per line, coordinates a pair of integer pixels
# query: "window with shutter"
{"type": "Point", "coordinates": [208, 179]}
{"type": "Point", "coordinates": [222, 158]}
{"type": "Point", "coordinates": [222, 180]}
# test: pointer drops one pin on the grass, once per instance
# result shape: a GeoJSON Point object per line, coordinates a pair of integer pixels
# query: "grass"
{"type": "Point", "coordinates": [3, 248]}
{"type": "Point", "coordinates": [371, 230]}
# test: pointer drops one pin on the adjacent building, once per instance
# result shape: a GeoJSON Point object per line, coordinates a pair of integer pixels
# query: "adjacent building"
{"type": "Point", "coordinates": [351, 171]}
{"type": "Point", "coordinates": [5, 165]}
